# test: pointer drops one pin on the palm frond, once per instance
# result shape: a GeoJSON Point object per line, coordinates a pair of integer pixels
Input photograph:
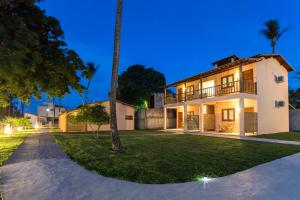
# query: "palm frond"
{"type": "Point", "coordinates": [282, 32]}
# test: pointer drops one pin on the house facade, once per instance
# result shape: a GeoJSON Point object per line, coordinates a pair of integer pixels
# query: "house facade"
{"type": "Point", "coordinates": [33, 119]}
{"type": "Point", "coordinates": [239, 95]}
{"type": "Point", "coordinates": [49, 113]}
{"type": "Point", "coordinates": [125, 118]}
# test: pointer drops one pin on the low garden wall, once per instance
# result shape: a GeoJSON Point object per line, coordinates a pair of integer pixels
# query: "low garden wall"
{"type": "Point", "coordinates": [153, 118]}
{"type": "Point", "coordinates": [295, 120]}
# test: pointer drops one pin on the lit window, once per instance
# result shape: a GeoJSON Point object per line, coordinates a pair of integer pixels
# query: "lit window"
{"type": "Point", "coordinates": [190, 89]}
{"type": "Point", "coordinates": [227, 81]}
{"type": "Point", "coordinates": [228, 114]}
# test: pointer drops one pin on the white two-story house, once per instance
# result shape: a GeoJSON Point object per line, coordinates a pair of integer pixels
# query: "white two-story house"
{"type": "Point", "coordinates": [239, 95]}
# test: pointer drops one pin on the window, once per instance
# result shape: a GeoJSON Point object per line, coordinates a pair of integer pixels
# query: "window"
{"type": "Point", "coordinates": [190, 89]}
{"type": "Point", "coordinates": [227, 81]}
{"type": "Point", "coordinates": [190, 113]}
{"type": "Point", "coordinates": [128, 117]}
{"type": "Point", "coordinates": [279, 104]}
{"type": "Point", "coordinates": [228, 114]}
{"type": "Point", "coordinates": [279, 79]}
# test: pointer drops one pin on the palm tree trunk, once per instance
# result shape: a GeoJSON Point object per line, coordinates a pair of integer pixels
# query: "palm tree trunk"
{"type": "Point", "coordinates": [22, 108]}
{"type": "Point", "coordinates": [86, 91]}
{"type": "Point", "coordinates": [273, 44]}
{"type": "Point", "coordinates": [116, 142]}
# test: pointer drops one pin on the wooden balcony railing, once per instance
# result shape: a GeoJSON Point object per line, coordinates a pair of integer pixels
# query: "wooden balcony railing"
{"type": "Point", "coordinates": [249, 86]}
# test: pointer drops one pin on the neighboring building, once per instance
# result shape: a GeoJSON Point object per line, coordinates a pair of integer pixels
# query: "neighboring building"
{"type": "Point", "coordinates": [247, 95]}
{"type": "Point", "coordinates": [32, 118]}
{"type": "Point", "coordinates": [125, 118]}
{"type": "Point", "coordinates": [156, 100]}
{"type": "Point", "coordinates": [47, 112]}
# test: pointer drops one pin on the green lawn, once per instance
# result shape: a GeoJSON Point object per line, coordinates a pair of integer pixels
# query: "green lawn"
{"type": "Point", "coordinates": [291, 136]}
{"type": "Point", "coordinates": [170, 159]}
{"type": "Point", "coordinates": [129, 132]}
{"type": "Point", "coordinates": [8, 143]}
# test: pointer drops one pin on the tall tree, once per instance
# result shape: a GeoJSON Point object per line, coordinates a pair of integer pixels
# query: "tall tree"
{"type": "Point", "coordinates": [138, 83]}
{"type": "Point", "coordinates": [34, 57]}
{"type": "Point", "coordinates": [116, 142]}
{"type": "Point", "coordinates": [273, 32]}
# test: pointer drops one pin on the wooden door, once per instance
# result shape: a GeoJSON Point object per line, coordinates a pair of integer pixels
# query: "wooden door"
{"type": "Point", "coordinates": [180, 95]}
{"type": "Point", "coordinates": [248, 80]}
{"type": "Point", "coordinates": [180, 120]}
{"type": "Point", "coordinates": [248, 74]}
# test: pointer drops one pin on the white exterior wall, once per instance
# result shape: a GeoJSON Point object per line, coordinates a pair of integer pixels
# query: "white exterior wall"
{"type": "Point", "coordinates": [122, 111]}
{"type": "Point", "coordinates": [32, 118]}
{"type": "Point", "coordinates": [218, 114]}
{"type": "Point", "coordinates": [270, 118]}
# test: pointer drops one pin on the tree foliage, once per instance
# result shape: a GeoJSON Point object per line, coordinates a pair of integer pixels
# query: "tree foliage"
{"type": "Point", "coordinates": [34, 57]}
{"type": "Point", "coordinates": [273, 32]}
{"type": "Point", "coordinates": [138, 83]}
{"type": "Point", "coordinates": [90, 115]}
{"type": "Point", "coordinates": [15, 122]}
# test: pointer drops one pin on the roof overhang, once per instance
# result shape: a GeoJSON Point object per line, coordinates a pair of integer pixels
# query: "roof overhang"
{"type": "Point", "coordinates": [217, 70]}
{"type": "Point", "coordinates": [235, 64]}
{"type": "Point", "coordinates": [278, 57]}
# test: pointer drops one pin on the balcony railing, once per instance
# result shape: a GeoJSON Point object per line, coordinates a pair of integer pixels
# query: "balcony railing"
{"type": "Point", "coordinates": [249, 86]}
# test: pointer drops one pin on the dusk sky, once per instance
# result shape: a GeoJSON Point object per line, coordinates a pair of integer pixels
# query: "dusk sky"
{"type": "Point", "coordinates": [178, 38]}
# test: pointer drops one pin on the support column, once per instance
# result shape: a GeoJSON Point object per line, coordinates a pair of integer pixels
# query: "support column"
{"type": "Point", "coordinates": [201, 124]}
{"type": "Point", "coordinates": [241, 78]}
{"type": "Point", "coordinates": [242, 116]}
{"type": "Point", "coordinates": [165, 95]}
{"type": "Point", "coordinates": [165, 118]}
{"type": "Point", "coordinates": [185, 128]}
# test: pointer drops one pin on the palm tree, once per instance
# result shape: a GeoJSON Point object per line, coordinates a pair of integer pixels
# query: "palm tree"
{"type": "Point", "coordinates": [116, 142]}
{"type": "Point", "coordinates": [273, 32]}
{"type": "Point", "coordinates": [89, 75]}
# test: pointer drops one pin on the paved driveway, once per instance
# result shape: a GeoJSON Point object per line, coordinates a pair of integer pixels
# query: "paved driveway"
{"type": "Point", "coordinates": [40, 170]}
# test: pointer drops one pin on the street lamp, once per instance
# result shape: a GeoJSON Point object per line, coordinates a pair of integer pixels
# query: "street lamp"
{"type": "Point", "coordinates": [48, 115]}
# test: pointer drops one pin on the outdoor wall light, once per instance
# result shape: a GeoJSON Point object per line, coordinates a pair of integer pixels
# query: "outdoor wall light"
{"type": "Point", "coordinates": [36, 126]}
{"type": "Point", "coordinates": [238, 109]}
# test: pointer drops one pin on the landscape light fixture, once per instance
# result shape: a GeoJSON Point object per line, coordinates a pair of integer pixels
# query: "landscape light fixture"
{"type": "Point", "coordinates": [7, 129]}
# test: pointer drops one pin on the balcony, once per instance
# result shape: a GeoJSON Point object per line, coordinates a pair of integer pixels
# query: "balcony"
{"type": "Point", "coordinates": [249, 86]}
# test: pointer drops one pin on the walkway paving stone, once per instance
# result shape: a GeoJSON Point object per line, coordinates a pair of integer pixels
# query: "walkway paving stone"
{"type": "Point", "coordinates": [35, 147]}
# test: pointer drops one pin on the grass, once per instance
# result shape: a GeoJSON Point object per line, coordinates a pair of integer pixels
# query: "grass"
{"type": "Point", "coordinates": [170, 159]}
{"type": "Point", "coordinates": [128, 132]}
{"type": "Point", "coordinates": [8, 143]}
{"type": "Point", "coordinates": [290, 136]}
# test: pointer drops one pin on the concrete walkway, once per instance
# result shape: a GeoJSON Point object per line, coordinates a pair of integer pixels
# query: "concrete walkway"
{"type": "Point", "coordinates": [40, 170]}
{"type": "Point", "coordinates": [246, 138]}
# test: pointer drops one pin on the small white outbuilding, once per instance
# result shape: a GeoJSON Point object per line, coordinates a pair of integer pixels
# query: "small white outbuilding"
{"type": "Point", "coordinates": [125, 118]}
